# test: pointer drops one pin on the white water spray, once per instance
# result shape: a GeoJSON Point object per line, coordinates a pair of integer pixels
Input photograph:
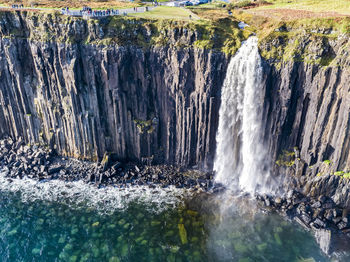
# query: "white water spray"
{"type": "Point", "coordinates": [79, 195]}
{"type": "Point", "coordinates": [241, 159]}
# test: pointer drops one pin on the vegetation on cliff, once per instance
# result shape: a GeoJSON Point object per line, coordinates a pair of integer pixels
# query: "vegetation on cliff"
{"type": "Point", "coordinates": [221, 34]}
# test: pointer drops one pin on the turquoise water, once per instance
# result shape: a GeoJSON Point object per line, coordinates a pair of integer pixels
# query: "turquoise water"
{"type": "Point", "coordinates": [36, 224]}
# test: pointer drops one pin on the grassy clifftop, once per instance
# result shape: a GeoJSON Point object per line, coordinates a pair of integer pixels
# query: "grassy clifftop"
{"type": "Point", "coordinates": [219, 34]}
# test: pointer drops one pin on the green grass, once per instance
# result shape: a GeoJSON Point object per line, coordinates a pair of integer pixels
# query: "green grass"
{"type": "Point", "coordinates": [167, 12]}
{"type": "Point", "coordinates": [339, 6]}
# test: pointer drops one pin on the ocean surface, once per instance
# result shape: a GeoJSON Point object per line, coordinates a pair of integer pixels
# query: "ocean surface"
{"type": "Point", "coordinates": [58, 221]}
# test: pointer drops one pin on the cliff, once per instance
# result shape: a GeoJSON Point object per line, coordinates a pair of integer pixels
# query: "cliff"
{"type": "Point", "coordinates": [307, 108]}
{"type": "Point", "coordinates": [136, 88]}
{"type": "Point", "coordinates": [151, 90]}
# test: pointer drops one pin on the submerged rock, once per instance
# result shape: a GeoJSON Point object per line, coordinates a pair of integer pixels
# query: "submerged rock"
{"type": "Point", "coordinates": [182, 233]}
{"type": "Point", "coordinates": [36, 251]}
{"type": "Point", "coordinates": [240, 247]}
{"type": "Point", "coordinates": [114, 259]}
{"type": "Point", "coordinates": [96, 224]}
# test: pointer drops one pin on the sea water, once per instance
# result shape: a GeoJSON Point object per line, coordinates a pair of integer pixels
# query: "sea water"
{"type": "Point", "coordinates": [58, 221]}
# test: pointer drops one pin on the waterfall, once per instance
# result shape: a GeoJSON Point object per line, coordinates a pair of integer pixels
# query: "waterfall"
{"type": "Point", "coordinates": [241, 160]}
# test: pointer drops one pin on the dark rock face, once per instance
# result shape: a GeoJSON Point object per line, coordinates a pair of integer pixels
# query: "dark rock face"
{"type": "Point", "coordinates": [309, 109]}
{"type": "Point", "coordinates": [307, 118]}
{"type": "Point", "coordinates": [159, 104]}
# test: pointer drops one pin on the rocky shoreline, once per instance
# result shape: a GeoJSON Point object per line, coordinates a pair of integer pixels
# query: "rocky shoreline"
{"type": "Point", "coordinates": [329, 222]}
{"type": "Point", "coordinates": [18, 160]}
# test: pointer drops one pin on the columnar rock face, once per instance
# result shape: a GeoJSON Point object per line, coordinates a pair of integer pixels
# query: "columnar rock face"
{"type": "Point", "coordinates": [308, 119]}
{"type": "Point", "coordinates": [85, 100]}
{"type": "Point", "coordinates": [307, 100]}
{"type": "Point", "coordinates": [309, 109]}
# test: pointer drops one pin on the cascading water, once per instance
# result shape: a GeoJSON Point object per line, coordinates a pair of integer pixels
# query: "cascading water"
{"type": "Point", "coordinates": [241, 159]}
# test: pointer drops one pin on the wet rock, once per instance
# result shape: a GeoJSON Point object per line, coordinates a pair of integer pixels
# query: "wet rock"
{"type": "Point", "coordinates": [278, 200]}
{"type": "Point", "coordinates": [337, 220]}
{"type": "Point", "coordinates": [116, 166]}
{"type": "Point", "coordinates": [42, 169]}
{"type": "Point", "coordinates": [301, 222]}
{"type": "Point", "coordinates": [317, 204]}
{"type": "Point", "coordinates": [53, 170]}
{"type": "Point", "coordinates": [328, 214]}
{"type": "Point", "coordinates": [102, 178]}
{"type": "Point", "coordinates": [343, 225]}
{"type": "Point", "coordinates": [182, 233]}
{"type": "Point", "coordinates": [306, 218]}
{"type": "Point", "coordinates": [337, 212]}
{"type": "Point", "coordinates": [328, 205]}
{"type": "Point", "coordinates": [324, 239]}
{"type": "Point", "coordinates": [318, 223]}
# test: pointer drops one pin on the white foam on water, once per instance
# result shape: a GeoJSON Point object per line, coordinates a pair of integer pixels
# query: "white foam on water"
{"type": "Point", "coordinates": [82, 195]}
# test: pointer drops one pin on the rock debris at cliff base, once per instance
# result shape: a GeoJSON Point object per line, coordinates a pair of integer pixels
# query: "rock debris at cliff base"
{"type": "Point", "coordinates": [19, 160]}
